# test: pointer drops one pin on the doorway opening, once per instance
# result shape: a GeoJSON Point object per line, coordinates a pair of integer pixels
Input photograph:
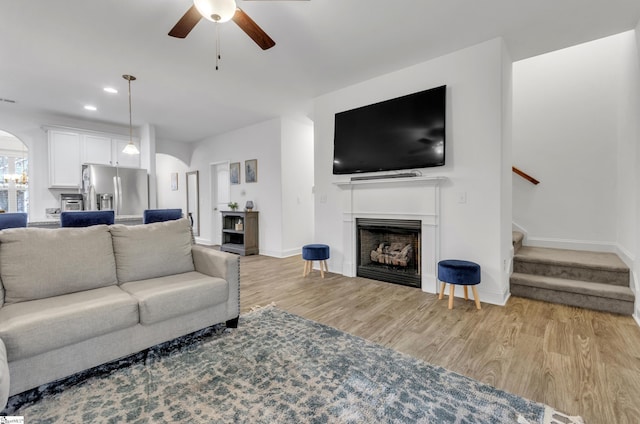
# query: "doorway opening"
{"type": "Point", "coordinates": [14, 174]}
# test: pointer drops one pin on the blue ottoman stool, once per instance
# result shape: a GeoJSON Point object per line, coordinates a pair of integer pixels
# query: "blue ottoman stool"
{"type": "Point", "coordinates": [464, 273]}
{"type": "Point", "coordinates": [315, 252]}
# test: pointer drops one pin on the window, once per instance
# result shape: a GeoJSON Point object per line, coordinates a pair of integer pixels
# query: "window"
{"type": "Point", "coordinates": [14, 171]}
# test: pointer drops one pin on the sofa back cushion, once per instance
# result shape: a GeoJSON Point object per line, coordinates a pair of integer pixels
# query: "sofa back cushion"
{"type": "Point", "coordinates": [37, 263]}
{"type": "Point", "coordinates": [152, 250]}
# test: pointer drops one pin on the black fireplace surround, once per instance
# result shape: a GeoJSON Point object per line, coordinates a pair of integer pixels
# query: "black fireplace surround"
{"type": "Point", "coordinates": [389, 250]}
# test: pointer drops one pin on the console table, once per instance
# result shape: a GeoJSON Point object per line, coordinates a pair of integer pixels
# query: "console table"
{"type": "Point", "coordinates": [240, 232]}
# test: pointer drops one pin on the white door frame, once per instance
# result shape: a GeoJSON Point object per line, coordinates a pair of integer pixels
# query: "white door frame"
{"type": "Point", "coordinates": [216, 224]}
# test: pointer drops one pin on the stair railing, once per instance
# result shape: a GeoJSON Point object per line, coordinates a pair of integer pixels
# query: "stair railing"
{"type": "Point", "coordinates": [525, 175]}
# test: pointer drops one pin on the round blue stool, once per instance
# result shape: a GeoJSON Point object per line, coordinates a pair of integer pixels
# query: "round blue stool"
{"type": "Point", "coordinates": [315, 252]}
{"type": "Point", "coordinates": [464, 273]}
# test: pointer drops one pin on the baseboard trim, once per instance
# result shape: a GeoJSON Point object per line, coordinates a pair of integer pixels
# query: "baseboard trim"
{"type": "Point", "coordinates": [626, 256]}
{"type": "Point", "coordinates": [493, 297]}
{"type": "Point", "coordinates": [291, 252]}
{"type": "Point", "coordinates": [490, 297]}
{"type": "Point", "coordinates": [204, 241]}
{"type": "Point", "coordinates": [281, 254]}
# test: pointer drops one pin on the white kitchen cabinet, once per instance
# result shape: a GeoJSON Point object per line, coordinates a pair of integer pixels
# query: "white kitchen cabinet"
{"type": "Point", "coordinates": [97, 149]}
{"type": "Point", "coordinates": [70, 148]}
{"type": "Point", "coordinates": [64, 159]}
{"type": "Point", "coordinates": [105, 150]}
{"type": "Point", "coordinates": [124, 159]}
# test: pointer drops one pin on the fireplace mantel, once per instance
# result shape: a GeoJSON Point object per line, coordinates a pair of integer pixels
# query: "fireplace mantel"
{"type": "Point", "coordinates": [394, 198]}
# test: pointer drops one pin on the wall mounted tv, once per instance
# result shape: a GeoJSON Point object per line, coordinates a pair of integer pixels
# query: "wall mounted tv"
{"type": "Point", "coordinates": [407, 132]}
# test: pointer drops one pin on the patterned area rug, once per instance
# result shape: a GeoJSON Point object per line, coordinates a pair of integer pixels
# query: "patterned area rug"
{"type": "Point", "coordinates": [276, 368]}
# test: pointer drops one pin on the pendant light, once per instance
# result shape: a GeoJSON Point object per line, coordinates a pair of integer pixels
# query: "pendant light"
{"type": "Point", "coordinates": [130, 148]}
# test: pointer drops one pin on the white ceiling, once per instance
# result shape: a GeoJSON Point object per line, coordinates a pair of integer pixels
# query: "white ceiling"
{"type": "Point", "coordinates": [56, 56]}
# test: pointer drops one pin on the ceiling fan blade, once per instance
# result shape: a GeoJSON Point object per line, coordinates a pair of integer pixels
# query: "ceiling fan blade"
{"type": "Point", "coordinates": [186, 23]}
{"type": "Point", "coordinates": [252, 29]}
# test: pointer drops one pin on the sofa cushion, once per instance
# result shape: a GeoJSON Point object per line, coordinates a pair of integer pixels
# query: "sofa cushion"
{"type": "Point", "coordinates": [30, 328]}
{"type": "Point", "coordinates": [37, 263]}
{"type": "Point", "coordinates": [174, 295]}
{"type": "Point", "coordinates": [152, 250]}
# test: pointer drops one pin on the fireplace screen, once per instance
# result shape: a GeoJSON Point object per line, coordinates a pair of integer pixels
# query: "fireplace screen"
{"type": "Point", "coordinates": [389, 250]}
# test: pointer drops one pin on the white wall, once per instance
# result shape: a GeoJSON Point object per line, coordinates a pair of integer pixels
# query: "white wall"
{"type": "Point", "coordinates": [506, 206]}
{"type": "Point", "coordinates": [261, 142]}
{"type": "Point", "coordinates": [628, 86]}
{"type": "Point", "coordinates": [297, 185]}
{"type": "Point", "coordinates": [282, 195]}
{"type": "Point", "coordinates": [573, 119]}
{"type": "Point", "coordinates": [474, 155]}
{"type": "Point", "coordinates": [168, 198]}
{"type": "Point", "coordinates": [181, 151]}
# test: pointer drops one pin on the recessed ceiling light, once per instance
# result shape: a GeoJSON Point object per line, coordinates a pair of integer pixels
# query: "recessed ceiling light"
{"type": "Point", "coordinates": [111, 90]}
{"type": "Point", "coordinates": [90, 107]}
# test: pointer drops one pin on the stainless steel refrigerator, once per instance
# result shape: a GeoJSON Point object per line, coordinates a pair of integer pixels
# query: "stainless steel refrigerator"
{"type": "Point", "coordinates": [124, 190]}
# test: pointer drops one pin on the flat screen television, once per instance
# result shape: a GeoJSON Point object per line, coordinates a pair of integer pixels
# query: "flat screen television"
{"type": "Point", "coordinates": [407, 132]}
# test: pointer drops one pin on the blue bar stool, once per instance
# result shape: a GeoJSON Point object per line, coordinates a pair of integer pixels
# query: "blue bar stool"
{"type": "Point", "coordinates": [13, 220]}
{"type": "Point", "coordinates": [160, 215]}
{"type": "Point", "coordinates": [86, 218]}
{"type": "Point", "coordinates": [457, 272]}
{"type": "Point", "coordinates": [315, 252]}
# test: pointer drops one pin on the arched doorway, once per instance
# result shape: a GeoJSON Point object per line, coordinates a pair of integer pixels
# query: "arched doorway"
{"type": "Point", "coordinates": [14, 171]}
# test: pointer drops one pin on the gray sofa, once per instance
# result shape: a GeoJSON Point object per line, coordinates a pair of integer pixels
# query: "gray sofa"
{"type": "Point", "coordinates": [75, 298]}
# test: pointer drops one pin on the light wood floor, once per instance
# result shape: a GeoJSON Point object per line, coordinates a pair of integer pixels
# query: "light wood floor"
{"type": "Point", "coordinates": [578, 361]}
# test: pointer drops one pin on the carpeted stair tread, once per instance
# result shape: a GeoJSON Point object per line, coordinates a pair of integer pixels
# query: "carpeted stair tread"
{"type": "Point", "coordinates": [578, 258]}
{"type": "Point", "coordinates": [593, 280]}
{"type": "Point", "coordinates": [574, 286]}
{"type": "Point", "coordinates": [516, 240]}
{"type": "Point", "coordinates": [597, 267]}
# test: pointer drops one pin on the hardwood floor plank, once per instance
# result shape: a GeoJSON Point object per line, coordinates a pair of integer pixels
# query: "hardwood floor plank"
{"type": "Point", "coordinates": [579, 361]}
{"type": "Point", "coordinates": [623, 388]}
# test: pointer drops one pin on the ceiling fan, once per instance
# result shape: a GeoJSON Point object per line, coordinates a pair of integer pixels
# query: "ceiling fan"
{"type": "Point", "coordinates": [221, 11]}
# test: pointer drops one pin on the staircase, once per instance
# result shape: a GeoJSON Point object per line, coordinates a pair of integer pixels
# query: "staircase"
{"type": "Point", "coordinates": [593, 280]}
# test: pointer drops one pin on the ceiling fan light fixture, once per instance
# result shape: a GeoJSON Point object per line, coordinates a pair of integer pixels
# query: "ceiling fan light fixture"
{"type": "Point", "coordinates": [216, 10]}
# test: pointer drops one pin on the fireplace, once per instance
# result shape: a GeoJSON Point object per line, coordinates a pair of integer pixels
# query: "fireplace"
{"type": "Point", "coordinates": [403, 199]}
{"type": "Point", "coordinates": [389, 250]}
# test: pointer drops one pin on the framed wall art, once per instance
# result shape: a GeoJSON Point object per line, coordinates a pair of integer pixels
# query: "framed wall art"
{"type": "Point", "coordinates": [234, 173]}
{"type": "Point", "coordinates": [251, 170]}
{"type": "Point", "coordinates": [174, 181]}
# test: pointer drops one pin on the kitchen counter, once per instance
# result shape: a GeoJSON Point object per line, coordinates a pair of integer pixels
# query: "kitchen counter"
{"type": "Point", "coordinates": [55, 222]}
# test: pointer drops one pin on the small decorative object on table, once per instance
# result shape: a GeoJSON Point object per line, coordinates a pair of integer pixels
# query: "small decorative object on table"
{"type": "Point", "coordinates": [233, 205]}
{"type": "Point", "coordinates": [249, 206]}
